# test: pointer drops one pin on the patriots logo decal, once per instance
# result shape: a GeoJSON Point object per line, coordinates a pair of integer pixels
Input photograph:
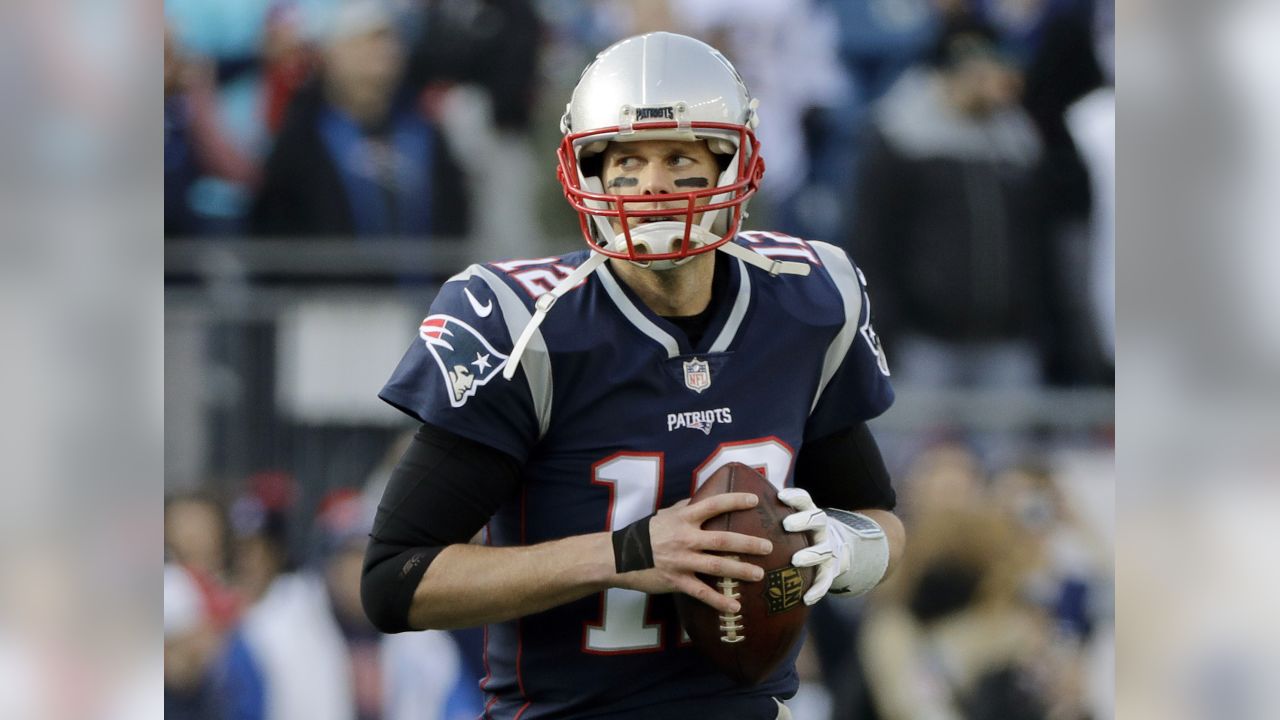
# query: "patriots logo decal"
{"type": "Point", "coordinates": [873, 341]}
{"type": "Point", "coordinates": [869, 334]}
{"type": "Point", "coordinates": [467, 361]}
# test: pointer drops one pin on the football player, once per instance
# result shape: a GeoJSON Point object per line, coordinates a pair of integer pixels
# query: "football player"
{"type": "Point", "coordinates": [571, 405]}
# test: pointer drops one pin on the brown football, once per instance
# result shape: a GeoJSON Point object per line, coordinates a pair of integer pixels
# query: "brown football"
{"type": "Point", "coordinates": [749, 645]}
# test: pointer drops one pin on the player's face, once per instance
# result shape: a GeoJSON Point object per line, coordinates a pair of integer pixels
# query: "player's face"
{"type": "Point", "coordinates": [658, 167]}
{"type": "Point", "coordinates": [982, 86]}
{"type": "Point", "coordinates": [363, 71]}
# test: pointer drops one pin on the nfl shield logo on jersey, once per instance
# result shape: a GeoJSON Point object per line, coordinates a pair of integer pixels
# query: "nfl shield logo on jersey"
{"type": "Point", "coordinates": [697, 375]}
{"type": "Point", "coordinates": [466, 360]}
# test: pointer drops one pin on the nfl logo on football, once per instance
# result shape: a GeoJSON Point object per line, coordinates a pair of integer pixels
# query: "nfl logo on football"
{"type": "Point", "coordinates": [697, 375]}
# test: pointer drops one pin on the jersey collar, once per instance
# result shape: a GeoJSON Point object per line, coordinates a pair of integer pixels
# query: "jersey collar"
{"type": "Point", "coordinates": [721, 332]}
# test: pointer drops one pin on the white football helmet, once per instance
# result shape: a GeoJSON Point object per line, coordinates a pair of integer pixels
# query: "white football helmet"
{"type": "Point", "coordinates": [660, 86]}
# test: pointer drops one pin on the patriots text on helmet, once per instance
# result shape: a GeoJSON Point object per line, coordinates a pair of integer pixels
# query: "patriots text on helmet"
{"type": "Point", "coordinates": [656, 113]}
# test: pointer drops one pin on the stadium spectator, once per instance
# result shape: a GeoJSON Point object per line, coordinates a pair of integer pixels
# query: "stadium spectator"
{"type": "Point", "coordinates": [492, 43]}
{"type": "Point", "coordinates": [876, 42]}
{"type": "Point", "coordinates": [357, 156]}
{"type": "Point", "coordinates": [195, 145]}
{"type": "Point", "coordinates": [949, 638]}
{"type": "Point", "coordinates": [342, 527]}
{"type": "Point", "coordinates": [1020, 25]}
{"type": "Point", "coordinates": [1066, 67]}
{"type": "Point", "coordinates": [948, 218]}
{"type": "Point", "coordinates": [1092, 121]}
{"type": "Point", "coordinates": [191, 643]}
{"type": "Point", "coordinates": [286, 659]}
{"type": "Point", "coordinates": [225, 41]}
{"type": "Point", "coordinates": [945, 477]}
{"type": "Point", "coordinates": [1065, 557]}
{"type": "Point", "coordinates": [482, 59]}
{"type": "Point", "coordinates": [195, 537]}
{"type": "Point", "coordinates": [1067, 568]}
{"type": "Point", "coordinates": [195, 533]}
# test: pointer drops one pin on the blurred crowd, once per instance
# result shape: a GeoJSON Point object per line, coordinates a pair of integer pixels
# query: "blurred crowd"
{"type": "Point", "coordinates": [961, 150]}
{"type": "Point", "coordinates": [263, 621]}
{"type": "Point", "coordinates": [348, 118]}
{"type": "Point", "coordinates": [1002, 610]}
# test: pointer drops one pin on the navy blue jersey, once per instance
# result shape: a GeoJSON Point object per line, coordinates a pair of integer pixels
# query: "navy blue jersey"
{"type": "Point", "coordinates": [614, 415]}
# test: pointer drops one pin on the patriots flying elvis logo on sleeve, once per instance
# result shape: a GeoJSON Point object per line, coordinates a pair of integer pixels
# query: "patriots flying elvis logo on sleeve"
{"type": "Point", "coordinates": [466, 360]}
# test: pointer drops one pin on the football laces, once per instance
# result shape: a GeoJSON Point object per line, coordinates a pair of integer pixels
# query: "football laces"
{"type": "Point", "coordinates": [731, 628]}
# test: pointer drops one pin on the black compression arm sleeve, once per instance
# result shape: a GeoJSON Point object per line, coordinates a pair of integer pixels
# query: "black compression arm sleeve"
{"type": "Point", "coordinates": [845, 470]}
{"type": "Point", "coordinates": [443, 490]}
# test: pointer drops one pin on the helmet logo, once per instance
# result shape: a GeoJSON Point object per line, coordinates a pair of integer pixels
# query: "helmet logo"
{"type": "Point", "coordinates": [665, 112]}
{"type": "Point", "coordinates": [466, 359]}
{"type": "Point", "coordinates": [697, 375]}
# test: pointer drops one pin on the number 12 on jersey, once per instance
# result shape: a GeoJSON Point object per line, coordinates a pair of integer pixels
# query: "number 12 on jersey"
{"type": "Point", "coordinates": [635, 485]}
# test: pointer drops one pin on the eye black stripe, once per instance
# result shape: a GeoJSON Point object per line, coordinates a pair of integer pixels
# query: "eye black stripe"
{"type": "Point", "coordinates": [696, 182]}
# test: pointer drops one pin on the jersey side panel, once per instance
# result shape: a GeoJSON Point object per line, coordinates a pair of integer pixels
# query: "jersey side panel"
{"type": "Point", "coordinates": [856, 385]}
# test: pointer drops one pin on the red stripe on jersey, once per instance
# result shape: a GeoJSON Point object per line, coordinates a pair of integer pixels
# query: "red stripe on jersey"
{"type": "Point", "coordinates": [524, 490]}
{"type": "Point", "coordinates": [484, 652]}
{"type": "Point", "coordinates": [520, 680]}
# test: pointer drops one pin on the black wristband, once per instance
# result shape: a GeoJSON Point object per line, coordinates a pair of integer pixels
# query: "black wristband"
{"type": "Point", "coordinates": [631, 547]}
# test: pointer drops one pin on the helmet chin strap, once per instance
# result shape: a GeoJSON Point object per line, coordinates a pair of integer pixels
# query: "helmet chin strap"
{"type": "Point", "coordinates": [663, 236]}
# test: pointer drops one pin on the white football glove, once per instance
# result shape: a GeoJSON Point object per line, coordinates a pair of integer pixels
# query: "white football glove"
{"type": "Point", "coordinates": [849, 549]}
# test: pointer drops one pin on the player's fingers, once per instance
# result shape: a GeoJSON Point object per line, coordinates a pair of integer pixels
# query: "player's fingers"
{"type": "Point", "coordinates": [703, 592]}
{"type": "Point", "coordinates": [812, 555]}
{"type": "Point", "coordinates": [821, 584]}
{"type": "Point", "coordinates": [720, 567]}
{"type": "Point", "coordinates": [717, 504]}
{"type": "Point", "coordinates": [731, 542]}
{"type": "Point", "coordinates": [796, 497]}
{"type": "Point", "coordinates": [804, 520]}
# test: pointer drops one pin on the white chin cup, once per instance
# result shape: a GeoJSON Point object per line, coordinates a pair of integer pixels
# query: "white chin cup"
{"type": "Point", "coordinates": [664, 236]}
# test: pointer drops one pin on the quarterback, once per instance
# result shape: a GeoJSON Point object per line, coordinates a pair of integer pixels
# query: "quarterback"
{"type": "Point", "coordinates": [571, 405]}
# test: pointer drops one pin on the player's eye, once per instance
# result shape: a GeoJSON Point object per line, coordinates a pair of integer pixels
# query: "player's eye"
{"type": "Point", "coordinates": [628, 163]}
{"type": "Point", "coordinates": [680, 161]}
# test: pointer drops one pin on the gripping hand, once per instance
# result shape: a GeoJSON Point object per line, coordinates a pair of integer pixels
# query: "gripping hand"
{"type": "Point", "coordinates": [849, 550]}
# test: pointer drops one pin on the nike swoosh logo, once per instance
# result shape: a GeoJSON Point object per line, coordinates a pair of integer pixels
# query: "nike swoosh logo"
{"type": "Point", "coordinates": [481, 310]}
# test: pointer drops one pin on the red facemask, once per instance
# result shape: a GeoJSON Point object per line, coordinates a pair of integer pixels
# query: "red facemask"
{"type": "Point", "coordinates": [608, 207]}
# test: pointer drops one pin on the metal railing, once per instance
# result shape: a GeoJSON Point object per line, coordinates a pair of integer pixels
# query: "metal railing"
{"type": "Point", "coordinates": [227, 258]}
{"type": "Point", "coordinates": [215, 286]}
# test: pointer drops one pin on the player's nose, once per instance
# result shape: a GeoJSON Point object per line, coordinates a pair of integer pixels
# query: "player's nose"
{"type": "Point", "coordinates": [656, 181]}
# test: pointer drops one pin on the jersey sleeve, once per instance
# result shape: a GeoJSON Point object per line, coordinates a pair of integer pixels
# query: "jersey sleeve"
{"type": "Point", "coordinates": [854, 386]}
{"type": "Point", "coordinates": [451, 375]}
